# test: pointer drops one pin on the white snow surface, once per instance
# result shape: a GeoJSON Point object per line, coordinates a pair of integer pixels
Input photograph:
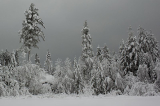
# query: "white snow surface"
{"type": "Point", "coordinates": [65, 100]}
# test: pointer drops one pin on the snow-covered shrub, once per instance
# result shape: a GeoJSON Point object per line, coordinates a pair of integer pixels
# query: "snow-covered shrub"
{"type": "Point", "coordinates": [143, 89]}
{"type": "Point", "coordinates": [87, 90]}
{"type": "Point", "coordinates": [129, 81]}
{"type": "Point", "coordinates": [29, 75]}
{"type": "Point", "coordinates": [9, 86]}
{"type": "Point", "coordinates": [135, 87]}
{"type": "Point", "coordinates": [114, 93]}
{"type": "Point", "coordinates": [119, 82]}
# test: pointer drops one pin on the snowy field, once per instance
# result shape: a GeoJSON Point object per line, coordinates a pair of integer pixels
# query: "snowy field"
{"type": "Point", "coordinates": [81, 101]}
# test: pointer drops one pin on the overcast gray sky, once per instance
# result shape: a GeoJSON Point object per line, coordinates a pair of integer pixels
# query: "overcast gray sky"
{"type": "Point", "coordinates": [108, 21]}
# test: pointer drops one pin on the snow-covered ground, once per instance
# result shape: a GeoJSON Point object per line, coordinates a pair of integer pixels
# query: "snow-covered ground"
{"type": "Point", "coordinates": [81, 101]}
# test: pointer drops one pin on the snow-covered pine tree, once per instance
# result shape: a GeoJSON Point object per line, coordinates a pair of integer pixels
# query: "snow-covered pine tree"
{"type": "Point", "coordinates": [48, 63]}
{"type": "Point", "coordinates": [31, 33]}
{"type": "Point", "coordinates": [87, 54]}
{"type": "Point", "coordinates": [37, 59]}
{"type": "Point", "coordinates": [130, 60]}
{"type": "Point", "coordinates": [148, 51]}
{"type": "Point", "coordinates": [153, 47]}
{"type": "Point", "coordinates": [122, 56]}
{"type": "Point", "coordinates": [78, 82]}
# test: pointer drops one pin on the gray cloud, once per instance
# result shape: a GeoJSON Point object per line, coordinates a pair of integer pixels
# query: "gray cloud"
{"type": "Point", "coordinates": [108, 21]}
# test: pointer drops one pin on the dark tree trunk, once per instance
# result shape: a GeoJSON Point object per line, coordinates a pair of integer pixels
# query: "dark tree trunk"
{"type": "Point", "coordinates": [29, 55]}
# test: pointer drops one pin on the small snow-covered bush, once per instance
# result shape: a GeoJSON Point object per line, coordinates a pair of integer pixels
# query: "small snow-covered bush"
{"type": "Point", "coordinates": [130, 80]}
{"type": "Point", "coordinates": [30, 75]}
{"type": "Point", "coordinates": [114, 93]}
{"type": "Point", "coordinates": [143, 89]}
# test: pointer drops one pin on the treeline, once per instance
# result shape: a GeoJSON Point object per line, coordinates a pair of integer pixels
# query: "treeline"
{"type": "Point", "coordinates": [134, 70]}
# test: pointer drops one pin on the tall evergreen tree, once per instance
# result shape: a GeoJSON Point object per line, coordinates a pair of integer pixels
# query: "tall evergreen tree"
{"type": "Point", "coordinates": [78, 82]}
{"type": "Point", "coordinates": [87, 53]}
{"type": "Point", "coordinates": [129, 57]}
{"type": "Point", "coordinates": [31, 33]}
{"type": "Point", "coordinates": [122, 56]}
{"type": "Point", "coordinates": [148, 51]}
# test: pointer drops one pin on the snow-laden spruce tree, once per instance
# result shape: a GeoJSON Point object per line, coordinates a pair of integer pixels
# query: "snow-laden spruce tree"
{"type": "Point", "coordinates": [87, 53]}
{"type": "Point", "coordinates": [122, 56]}
{"type": "Point", "coordinates": [147, 44]}
{"type": "Point", "coordinates": [97, 75]}
{"type": "Point", "coordinates": [31, 33]}
{"type": "Point", "coordinates": [129, 60]}
{"type": "Point", "coordinates": [107, 61]}
{"type": "Point", "coordinates": [48, 63]}
{"type": "Point", "coordinates": [148, 51]}
{"type": "Point", "coordinates": [37, 59]}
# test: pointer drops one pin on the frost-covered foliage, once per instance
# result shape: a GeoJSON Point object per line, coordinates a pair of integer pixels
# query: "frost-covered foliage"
{"type": "Point", "coordinates": [31, 33]}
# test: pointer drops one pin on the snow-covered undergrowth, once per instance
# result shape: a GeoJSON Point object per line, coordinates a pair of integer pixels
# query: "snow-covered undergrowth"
{"type": "Point", "coordinates": [24, 80]}
{"type": "Point", "coordinates": [30, 79]}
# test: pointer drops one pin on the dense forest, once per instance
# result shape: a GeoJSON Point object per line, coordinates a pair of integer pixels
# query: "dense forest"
{"type": "Point", "coordinates": [134, 70]}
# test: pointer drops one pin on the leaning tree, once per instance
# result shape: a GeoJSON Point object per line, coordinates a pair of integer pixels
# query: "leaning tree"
{"type": "Point", "coordinates": [31, 33]}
